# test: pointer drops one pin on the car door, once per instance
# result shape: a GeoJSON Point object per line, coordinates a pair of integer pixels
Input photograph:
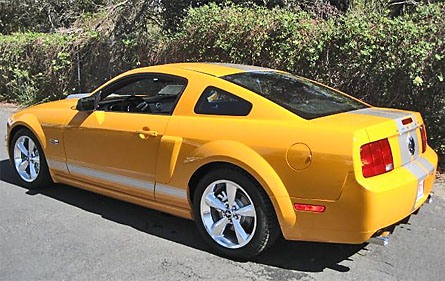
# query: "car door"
{"type": "Point", "coordinates": [115, 146]}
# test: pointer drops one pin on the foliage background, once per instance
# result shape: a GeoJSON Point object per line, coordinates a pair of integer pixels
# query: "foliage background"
{"type": "Point", "coordinates": [389, 54]}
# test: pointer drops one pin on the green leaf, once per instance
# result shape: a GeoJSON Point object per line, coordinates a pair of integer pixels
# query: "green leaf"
{"type": "Point", "coordinates": [418, 81]}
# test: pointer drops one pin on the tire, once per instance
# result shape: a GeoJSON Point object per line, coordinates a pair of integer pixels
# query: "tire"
{"type": "Point", "coordinates": [28, 160]}
{"type": "Point", "coordinates": [233, 214]}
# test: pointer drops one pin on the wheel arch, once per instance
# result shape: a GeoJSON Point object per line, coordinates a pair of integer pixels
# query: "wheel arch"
{"type": "Point", "coordinates": [232, 154]}
{"type": "Point", "coordinates": [29, 122]}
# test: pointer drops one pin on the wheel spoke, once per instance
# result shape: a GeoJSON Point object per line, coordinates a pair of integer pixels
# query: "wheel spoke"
{"type": "Point", "coordinates": [214, 202]}
{"type": "Point", "coordinates": [36, 159]}
{"type": "Point", "coordinates": [22, 148]}
{"type": "Point", "coordinates": [31, 146]}
{"type": "Point", "coordinates": [219, 226]}
{"type": "Point", "coordinates": [32, 170]}
{"type": "Point", "coordinates": [246, 211]}
{"type": "Point", "coordinates": [231, 193]}
{"type": "Point", "coordinates": [23, 165]}
{"type": "Point", "coordinates": [241, 234]}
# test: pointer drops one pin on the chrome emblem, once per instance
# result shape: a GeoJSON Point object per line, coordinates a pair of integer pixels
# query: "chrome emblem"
{"type": "Point", "coordinates": [411, 145]}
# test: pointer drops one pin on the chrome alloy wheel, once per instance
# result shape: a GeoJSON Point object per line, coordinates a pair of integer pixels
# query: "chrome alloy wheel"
{"type": "Point", "coordinates": [26, 159]}
{"type": "Point", "coordinates": [228, 214]}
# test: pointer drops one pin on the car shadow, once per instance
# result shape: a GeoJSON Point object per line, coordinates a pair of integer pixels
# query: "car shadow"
{"type": "Point", "coordinates": [300, 256]}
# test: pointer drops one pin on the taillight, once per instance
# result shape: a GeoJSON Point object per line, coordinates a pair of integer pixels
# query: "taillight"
{"type": "Point", "coordinates": [376, 158]}
{"type": "Point", "coordinates": [423, 134]}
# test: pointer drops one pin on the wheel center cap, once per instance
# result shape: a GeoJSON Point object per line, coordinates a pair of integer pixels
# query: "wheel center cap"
{"type": "Point", "coordinates": [228, 214]}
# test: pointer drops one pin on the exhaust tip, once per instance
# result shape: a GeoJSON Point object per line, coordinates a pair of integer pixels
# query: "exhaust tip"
{"type": "Point", "coordinates": [382, 239]}
{"type": "Point", "coordinates": [429, 200]}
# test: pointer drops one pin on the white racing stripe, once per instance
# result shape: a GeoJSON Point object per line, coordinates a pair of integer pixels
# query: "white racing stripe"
{"type": "Point", "coordinates": [426, 164]}
{"type": "Point", "coordinates": [416, 169]}
{"type": "Point", "coordinates": [57, 165]}
{"type": "Point", "coordinates": [118, 179]}
{"type": "Point", "coordinates": [114, 178]}
{"type": "Point", "coordinates": [171, 191]}
{"type": "Point", "coordinates": [379, 113]}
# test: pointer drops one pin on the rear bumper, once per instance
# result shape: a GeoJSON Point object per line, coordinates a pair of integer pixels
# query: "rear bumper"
{"type": "Point", "coordinates": [367, 205]}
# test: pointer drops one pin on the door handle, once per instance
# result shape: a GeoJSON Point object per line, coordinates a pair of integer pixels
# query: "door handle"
{"type": "Point", "coordinates": [144, 134]}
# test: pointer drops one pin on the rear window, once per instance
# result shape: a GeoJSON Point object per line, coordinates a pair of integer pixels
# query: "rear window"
{"type": "Point", "coordinates": [300, 96]}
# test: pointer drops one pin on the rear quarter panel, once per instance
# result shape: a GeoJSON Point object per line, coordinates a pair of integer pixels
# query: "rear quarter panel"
{"type": "Point", "coordinates": [270, 131]}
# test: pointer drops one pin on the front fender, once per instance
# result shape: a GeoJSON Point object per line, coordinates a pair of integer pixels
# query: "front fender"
{"type": "Point", "coordinates": [30, 122]}
{"type": "Point", "coordinates": [246, 158]}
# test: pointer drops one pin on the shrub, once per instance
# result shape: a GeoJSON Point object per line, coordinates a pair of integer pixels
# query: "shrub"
{"type": "Point", "coordinates": [396, 62]}
{"type": "Point", "coordinates": [42, 15]}
{"type": "Point", "coordinates": [392, 62]}
{"type": "Point", "coordinates": [34, 67]}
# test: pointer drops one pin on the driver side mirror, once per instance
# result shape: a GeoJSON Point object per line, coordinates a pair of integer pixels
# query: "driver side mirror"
{"type": "Point", "coordinates": [87, 103]}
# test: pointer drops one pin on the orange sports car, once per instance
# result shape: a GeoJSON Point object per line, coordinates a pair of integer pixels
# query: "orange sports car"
{"type": "Point", "coordinates": [249, 153]}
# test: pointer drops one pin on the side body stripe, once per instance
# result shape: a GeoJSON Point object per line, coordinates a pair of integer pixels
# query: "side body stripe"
{"type": "Point", "coordinates": [118, 179]}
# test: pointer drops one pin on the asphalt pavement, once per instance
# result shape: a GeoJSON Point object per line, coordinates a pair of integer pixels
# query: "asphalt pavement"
{"type": "Point", "coordinates": [64, 233]}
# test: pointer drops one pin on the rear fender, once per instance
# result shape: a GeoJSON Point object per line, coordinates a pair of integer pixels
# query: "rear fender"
{"type": "Point", "coordinates": [246, 158]}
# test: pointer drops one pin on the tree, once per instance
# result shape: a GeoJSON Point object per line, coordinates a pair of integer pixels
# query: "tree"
{"type": "Point", "coordinates": [43, 15]}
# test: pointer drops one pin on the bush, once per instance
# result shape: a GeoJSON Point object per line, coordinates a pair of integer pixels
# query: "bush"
{"type": "Point", "coordinates": [42, 15]}
{"type": "Point", "coordinates": [397, 62]}
{"type": "Point", "coordinates": [34, 67]}
{"type": "Point", "coordinates": [392, 62]}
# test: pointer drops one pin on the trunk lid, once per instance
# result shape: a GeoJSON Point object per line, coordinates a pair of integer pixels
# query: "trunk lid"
{"type": "Point", "coordinates": [402, 128]}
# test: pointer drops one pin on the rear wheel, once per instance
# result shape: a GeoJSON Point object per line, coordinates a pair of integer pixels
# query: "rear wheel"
{"type": "Point", "coordinates": [233, 214]}
{"type": "Point", "coordinates": [28, 160]}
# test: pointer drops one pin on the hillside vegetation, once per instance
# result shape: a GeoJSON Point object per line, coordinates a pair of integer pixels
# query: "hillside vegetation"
{"type": "Point", "coordinates": [389, 54]}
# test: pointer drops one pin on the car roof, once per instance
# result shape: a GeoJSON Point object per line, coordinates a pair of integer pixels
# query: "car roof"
{"type": "Point", "coordinates": [212, 68]}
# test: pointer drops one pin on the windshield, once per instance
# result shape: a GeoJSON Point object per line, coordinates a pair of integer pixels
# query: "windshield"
{"type": "Point", "coordinates": [300, 96]}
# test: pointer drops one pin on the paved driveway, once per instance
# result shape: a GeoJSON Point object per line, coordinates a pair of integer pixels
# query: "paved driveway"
{"type": "Point", "coordinates": [63, 233]}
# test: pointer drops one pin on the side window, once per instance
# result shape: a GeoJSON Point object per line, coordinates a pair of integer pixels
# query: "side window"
{"type": "Point", "coordinates": [150, 93]}
{"type": "Point", "coordinates": [144, 87]}
{"type": "Point", "coordinates": [215, 101]}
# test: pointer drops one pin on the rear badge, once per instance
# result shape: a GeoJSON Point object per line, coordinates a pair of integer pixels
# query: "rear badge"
{"type": "Point", "coordinates": [411, 145]}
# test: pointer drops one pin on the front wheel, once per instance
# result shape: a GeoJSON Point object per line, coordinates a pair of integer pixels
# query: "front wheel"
{"type": "Point", "coordinates": [28, 160]}
{"type": "Point", "coordinates": [234, 214]}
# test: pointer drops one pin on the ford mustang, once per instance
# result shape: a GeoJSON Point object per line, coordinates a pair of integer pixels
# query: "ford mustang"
{"type": "Point", "coordinates": [249, 153]}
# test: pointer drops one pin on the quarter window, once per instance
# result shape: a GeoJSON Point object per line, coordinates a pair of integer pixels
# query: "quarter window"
{"type": "Point", "coordinates": [215, 101]}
